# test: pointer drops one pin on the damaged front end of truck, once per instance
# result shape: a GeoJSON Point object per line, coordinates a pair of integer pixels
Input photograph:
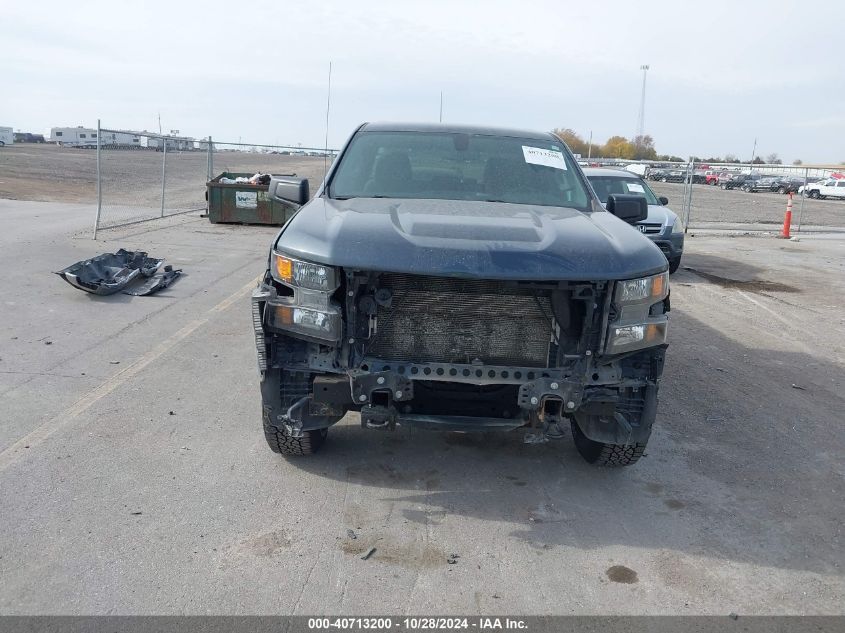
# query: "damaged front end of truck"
{"type": "Point", "coordinates": [459, 354]}
{"type": "Point", "coordinates": [462, 302]}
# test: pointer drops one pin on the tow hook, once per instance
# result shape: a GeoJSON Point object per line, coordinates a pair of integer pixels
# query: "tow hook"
{"type": "Point", "coordinates": [546, 422]}
{"type": "Point", "coordinates": [378, 417]}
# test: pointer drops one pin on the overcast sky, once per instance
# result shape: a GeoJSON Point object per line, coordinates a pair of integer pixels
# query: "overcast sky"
{"type": "Point", "coordinates": [722, 73]}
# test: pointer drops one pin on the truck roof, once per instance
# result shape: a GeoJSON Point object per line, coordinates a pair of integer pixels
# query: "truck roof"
{"type": "Point", "coordinates": [445, 128]}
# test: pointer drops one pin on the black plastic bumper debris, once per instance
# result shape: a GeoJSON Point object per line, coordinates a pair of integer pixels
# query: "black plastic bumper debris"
{"type": "Point", "coordinates": [109, 273]}
{"type": "Point", "coordinates": [155, 283]}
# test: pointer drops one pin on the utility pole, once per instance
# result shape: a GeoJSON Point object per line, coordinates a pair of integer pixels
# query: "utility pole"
{"type": "Point", "coordinates": [590, 146]}
{"type": "Point", "coordinates": [441, 106]}
{"type": "Point", "coordinates": [641, 117]}
{"type": "Point", "coordinates": [753, 152]}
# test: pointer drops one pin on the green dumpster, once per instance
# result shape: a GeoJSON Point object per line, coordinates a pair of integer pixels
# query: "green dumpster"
{"type": "Point", "coordinates": [244, 203]}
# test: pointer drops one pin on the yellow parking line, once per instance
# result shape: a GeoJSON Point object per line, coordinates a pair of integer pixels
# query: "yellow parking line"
{"type": "Point", "coordinates": [17, 450]}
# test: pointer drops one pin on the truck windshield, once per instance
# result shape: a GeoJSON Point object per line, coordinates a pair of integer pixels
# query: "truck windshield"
{"type": "Point", "coordinates": [455, 166]}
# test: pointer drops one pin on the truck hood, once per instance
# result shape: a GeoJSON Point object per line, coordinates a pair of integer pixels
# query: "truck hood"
{"type": "Point", "coordinates": [488, 240]}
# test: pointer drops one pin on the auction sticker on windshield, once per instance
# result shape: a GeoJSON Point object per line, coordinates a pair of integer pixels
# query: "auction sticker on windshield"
{"type": "Point", "coordinates": [546, 157]}
{"type": "Point", "coordinates": [635, 187]}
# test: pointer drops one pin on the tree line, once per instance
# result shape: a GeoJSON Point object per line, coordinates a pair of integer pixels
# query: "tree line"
{"type": "Point", "coordinates": [642, 148]}
{"type": "Point", "coordinates": [638, 148]}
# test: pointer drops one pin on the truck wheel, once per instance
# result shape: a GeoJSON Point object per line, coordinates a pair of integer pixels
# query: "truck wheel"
{"type": "Point", "coordinates": [674, 264]}
{"type": "Point", "coordinates": [723, 186]}
{"type": "Point", "coordinates": [815, 194]}
{"type": "Point", "coordinates": [608, 455]}
{"type": "Point", "coordinates": [782, 190]}
{"type": "Point", "coordinates": [280, 390]}
{"type": "Point", "coordinates": [280, 442]}
{"type": "Point", "coordinates": [664, 179]}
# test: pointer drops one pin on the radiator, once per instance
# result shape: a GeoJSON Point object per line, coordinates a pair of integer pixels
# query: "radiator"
{"type": "Point", "coordinates": [434, 319]}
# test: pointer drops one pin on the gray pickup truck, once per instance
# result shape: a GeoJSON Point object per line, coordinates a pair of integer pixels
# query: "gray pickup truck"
{"type": "Point", "coordinates": [461, 279]}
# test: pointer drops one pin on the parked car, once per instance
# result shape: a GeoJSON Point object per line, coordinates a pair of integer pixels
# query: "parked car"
{"type": "Point", "coordinates": [734, 181]}
{"type": "Point", "coordinates": [662, 226]}
{"type": "Point", "coordinates": [711, 177]}
{"type": "Point", "coordinates": [722, 176]}
{"type": "Point", "coordinates": [830, 188]}
{"type": "Point", "coordinates": [461, 278]}
{"type": "Point", "coordinates": [669, 175]}
{"type": "Point", "coordinates": [759, 183]}
{"type": "Point", "coordinates": [28, 137]}
{"type": "Point", "coordinates": [787, 184]}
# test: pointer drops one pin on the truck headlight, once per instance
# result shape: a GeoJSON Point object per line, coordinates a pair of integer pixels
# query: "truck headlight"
{"type": "Point", "coordinates": [295, 272]}
{"type": "Point", "coordinates": [644, 290]}
{"type": "Point", "coordinates": [625, 338]}
{"type": "Point", "coordinates": [322, 324]}
{"type": "Point", "coordinates": [678, 226]}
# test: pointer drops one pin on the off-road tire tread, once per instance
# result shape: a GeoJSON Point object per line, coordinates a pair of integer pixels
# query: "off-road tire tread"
{"type": "Point", "coordinates": [281, 442]}
{"type": "Point", "coordinates": [606, 455]}
{"type": "Point", "coordinates": [616, 455]}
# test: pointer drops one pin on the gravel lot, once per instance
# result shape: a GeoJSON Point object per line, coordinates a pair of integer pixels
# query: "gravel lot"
{"type": "Point", "coordinates": [132, 185]}
{"type": "Point", "coordinates": [712, 204]}
{"type": "Point", "coordinates": [131, 178]}
{"type": "Point", "coordinates": [136, 478]}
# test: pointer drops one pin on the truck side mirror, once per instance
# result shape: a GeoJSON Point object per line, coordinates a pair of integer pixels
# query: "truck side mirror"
{"type": "Point", "coordinates": [627, 207]}
{"type": "Point", "coordinates": [289, 190]}
{"type": "Point", "coordinates": [663, 200]}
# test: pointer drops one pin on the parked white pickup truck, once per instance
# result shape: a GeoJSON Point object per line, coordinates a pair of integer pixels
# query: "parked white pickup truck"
{"type": "Point", "coordinates": [830, 188]}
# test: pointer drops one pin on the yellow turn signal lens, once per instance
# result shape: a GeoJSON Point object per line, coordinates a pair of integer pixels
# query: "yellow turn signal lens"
{"type": "Point", "coordinates": [658, 291]}
{"type": "Point", "coordinates": [284, 268]}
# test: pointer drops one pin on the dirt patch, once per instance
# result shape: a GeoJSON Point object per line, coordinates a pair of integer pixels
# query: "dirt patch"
{"type": "Point", "coordinates": [752, 285]}
{"type": "Point", "coordinates": [622, 574]}
{"type": "Point", "coordinates": [264, 545]}
{"type": "Point", "coordinates": [415, 555]}
{"type": "Point", "coordinates": [385, 474]}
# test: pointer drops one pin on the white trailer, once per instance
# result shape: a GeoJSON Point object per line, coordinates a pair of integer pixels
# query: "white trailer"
{"type": "Point", "coordinates": [7, 136]}
{"type": "Point", "coordinates": [73, 136]}
{"type": "Point", "coordinates": [122, 139]}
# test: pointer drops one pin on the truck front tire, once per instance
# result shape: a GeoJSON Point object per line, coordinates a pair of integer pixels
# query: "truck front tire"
{"type": "Point", "coordinates": [607, 455]}
{"type": "Point", "coordinates": [285, 444]}
{"type": "Point", "coordinates": [280, 390]}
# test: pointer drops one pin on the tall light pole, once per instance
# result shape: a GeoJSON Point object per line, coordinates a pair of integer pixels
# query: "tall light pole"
{"type": "Point", "coordinates": [641, 117]}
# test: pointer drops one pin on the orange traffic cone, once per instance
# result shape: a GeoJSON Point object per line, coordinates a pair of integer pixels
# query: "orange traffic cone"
{"type": "Point", "coordinates": [787, 219]}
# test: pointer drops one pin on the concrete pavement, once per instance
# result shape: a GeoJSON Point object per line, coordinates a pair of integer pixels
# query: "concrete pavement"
{"type": "Point", "coordinates": [136, 479]}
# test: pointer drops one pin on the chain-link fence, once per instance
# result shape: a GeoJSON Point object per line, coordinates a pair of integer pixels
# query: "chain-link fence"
{"type": "Point", "coordinates": [752, 196]}
{"type": "Point", "coordinates": [143, 175]}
